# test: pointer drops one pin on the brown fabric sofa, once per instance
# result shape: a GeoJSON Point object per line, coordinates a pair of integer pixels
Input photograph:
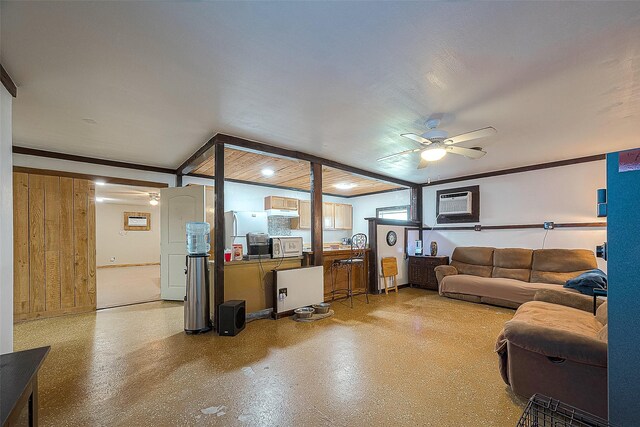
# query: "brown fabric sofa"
{"type": "Point", "coordinates": [509, 277]}
{"type": "Point", "coordinates": [555, 346]}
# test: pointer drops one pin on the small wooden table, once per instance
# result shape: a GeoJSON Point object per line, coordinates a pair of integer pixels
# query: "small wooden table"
{"type": "Point", "coordinates": [19, 384]}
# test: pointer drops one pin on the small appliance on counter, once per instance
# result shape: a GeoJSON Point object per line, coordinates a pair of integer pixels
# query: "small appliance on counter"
{"type": "Point", "coordinates": [258, 246]}
{"type": "Point", "coordinates": [346, 241]}
{"type": "Point", "coordinates": [196, 302]}
{"type": "Point", "coordinates": [285, 247]}
{"type": "Point", "coordinates": [237, 224]}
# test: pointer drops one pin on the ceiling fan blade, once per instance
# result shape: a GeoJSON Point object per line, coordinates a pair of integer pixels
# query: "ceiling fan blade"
{"type": "Point", "coordinates": [474, 134]}
{"type": "Point", "coordinates": [402, 153]}
{"type": "Point", "coordinates": [416, 138]}
{"type": "Point", "coordinates": [471, 153]}
{"type": "Point", "coordinates": [423, 163]}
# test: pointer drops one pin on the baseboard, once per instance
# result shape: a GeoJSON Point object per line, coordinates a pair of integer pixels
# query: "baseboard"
{"type": "Point", "coordinates": [143, 264]}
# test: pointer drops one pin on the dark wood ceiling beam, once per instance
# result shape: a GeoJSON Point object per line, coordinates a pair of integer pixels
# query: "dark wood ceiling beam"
{"type": "Point", "coordinates": [91, 160]}
{"type": "Point", "coordinates": [202, 154]}
{"type": "Point", "coordinates": [284, 187]}
{"type": "Point", "coordinates": [7, 82]}
{"type": "Point", "coordinates": [259, 146]}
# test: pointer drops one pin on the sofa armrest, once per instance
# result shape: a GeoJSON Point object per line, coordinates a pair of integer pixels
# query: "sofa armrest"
{"type": "Point", "coordinates": [444, 270]}
{"type": "Point", "coordinates": [556, 343]}
{"type": "Point", "coordinates": [566, 298]}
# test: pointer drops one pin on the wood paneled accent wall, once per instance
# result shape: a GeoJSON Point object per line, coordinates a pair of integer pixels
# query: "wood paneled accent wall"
{"type": "Point", "coordinates": [54, 226]}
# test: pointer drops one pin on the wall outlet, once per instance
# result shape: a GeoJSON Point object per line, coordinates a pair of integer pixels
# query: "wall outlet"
{"type": "Point", "coordinates": [112, 259]}
{"type": "Point", "coordinates": [282, 294]}
{"type": "Point", "coordinates": [477, 227]}
{"type": "Point", "coordinates": [549, 225]}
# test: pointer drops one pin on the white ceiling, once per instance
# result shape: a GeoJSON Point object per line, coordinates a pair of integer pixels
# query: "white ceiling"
{"type": "Point", "coordinates": [336, 79]}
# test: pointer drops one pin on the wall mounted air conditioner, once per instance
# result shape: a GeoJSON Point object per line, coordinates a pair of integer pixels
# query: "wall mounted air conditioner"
{"type": "Point", "coordinates": [455, 203]}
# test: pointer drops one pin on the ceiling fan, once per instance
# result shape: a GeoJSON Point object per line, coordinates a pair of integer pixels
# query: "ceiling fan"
{"type": "Point", "coordinates": [436, 144]}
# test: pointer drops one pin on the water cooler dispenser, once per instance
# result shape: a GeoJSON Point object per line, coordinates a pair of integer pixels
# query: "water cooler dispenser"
{"type": "Point", "coordinates": [196, 302]}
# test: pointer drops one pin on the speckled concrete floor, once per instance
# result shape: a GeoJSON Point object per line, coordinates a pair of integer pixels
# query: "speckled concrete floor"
{"type": "Point", "coordinates": [409, 359]}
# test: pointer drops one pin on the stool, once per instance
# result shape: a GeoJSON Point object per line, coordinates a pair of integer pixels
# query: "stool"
{"type": "Point", "coordinates": [356, 259]}
{"type": "Point", "coordinates": [390, 271]}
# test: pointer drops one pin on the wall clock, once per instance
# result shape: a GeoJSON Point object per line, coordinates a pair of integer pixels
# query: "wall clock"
{"type": "Point", "coordinates": [392, 238]}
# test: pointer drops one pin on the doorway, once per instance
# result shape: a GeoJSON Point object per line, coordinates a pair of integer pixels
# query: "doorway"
{"type": "Point", "coordinates": [127, 244]}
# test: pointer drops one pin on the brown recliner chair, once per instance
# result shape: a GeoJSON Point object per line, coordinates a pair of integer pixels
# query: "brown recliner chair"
{"type": "Point", "coordinates": [555, 346]}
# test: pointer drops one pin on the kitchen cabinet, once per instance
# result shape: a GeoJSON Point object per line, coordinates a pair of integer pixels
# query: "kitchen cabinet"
{"type": "Point", "coordinates": [303, 222]}
{"type": "Point", "coordinates": [277, 202]}
{"type": "Point", "coordinates": [335, 216]}
{"type": "Point", "coordinates": [343, 216]}
{"type": "Point", "coordinates": [328, 216]}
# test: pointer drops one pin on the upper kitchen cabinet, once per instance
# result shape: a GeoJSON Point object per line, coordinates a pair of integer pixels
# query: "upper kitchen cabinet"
{"type": "Point", "coordinates": [343, 216]}
{"type": "Point", "coordinates": [335, 216]}
{"type": "Point", "coordinates": [277, 202]}
{"type": "Point", "coordinates": [304, 216]}
{"type": "Point", "coordinates": [328, 216]}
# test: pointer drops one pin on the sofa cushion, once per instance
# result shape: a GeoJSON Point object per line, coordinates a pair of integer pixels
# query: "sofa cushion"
{"type": "Point", "coordinates": [559, 265]}
{"type": "Point", "coordinates": [516, 258]}
{"type": "Point", "coordinates": [558, 317]}
{"type": "Point", "coordinates": [472, 269]}
{"type": "Point", "coordinates": [473, 255]}
{"type": "Point", "coordinates": [477, 261]}
{"type": "Point", "coordinates": [496, 288]}
{"type": "Point", "coordinates": [601, 313]}
{"type": "Point", "coordinates": [603, 334]}
{"type": "Point", "coordinates": [512, 263]}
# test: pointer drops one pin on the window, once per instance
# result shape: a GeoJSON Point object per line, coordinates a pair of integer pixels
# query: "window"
{"type": "Point", "coordinates": [394, 212]}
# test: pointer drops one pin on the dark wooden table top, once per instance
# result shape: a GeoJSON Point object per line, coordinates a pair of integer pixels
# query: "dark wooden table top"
{"type": "Point", "coordinates": [17, 370]}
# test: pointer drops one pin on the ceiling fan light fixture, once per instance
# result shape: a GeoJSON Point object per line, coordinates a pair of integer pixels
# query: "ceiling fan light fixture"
{"type": "Point", "coordinates": [433, 154]}
{"type": "Point", "coordinates": [154, 199]}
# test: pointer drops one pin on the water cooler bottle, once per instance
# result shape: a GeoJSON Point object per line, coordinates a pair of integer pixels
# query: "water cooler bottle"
{"type": "Point", "coordinates": [196, 302]}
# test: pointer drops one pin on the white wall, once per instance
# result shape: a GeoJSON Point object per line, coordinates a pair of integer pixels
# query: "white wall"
{"type": "Point", "coordinates": [128, 247]}
{"type": "Point", "coordinates": [397, 251]}
{"type": "Point", "coordinates": [6, 224]}
{"type": "Point", "coordinates": [365, 207]}
{"type": "Point", "coordinates": [562, 194]}
{"type": "Point", "coordinates": [91, 169]}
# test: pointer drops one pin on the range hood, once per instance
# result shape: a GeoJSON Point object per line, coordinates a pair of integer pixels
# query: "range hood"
{"type": "Point", "coordinates": [282, 212]}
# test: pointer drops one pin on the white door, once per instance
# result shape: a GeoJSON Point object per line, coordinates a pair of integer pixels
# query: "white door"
{"type": "Point", "coordinates": [177, 207]}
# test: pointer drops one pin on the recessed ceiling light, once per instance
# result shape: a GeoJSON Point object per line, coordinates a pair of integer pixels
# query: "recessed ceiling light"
{"type": "Point", "coordinates": [153, 202]}
{"type": "Point", "coordinates": [267, 172]}
{"type": "Point", "coordinates": [99, 199]}
{"type": "Point", "coordinates": [345, 186]}
{"type": "Point", "coordinates": [89, 121]}
{"type": "Point", "coordinates": [101, 183]}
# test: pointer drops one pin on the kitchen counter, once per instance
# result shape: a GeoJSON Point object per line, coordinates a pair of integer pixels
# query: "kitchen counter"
{"type": "Point", "coordinates": [252, 280]}
{"type": "Point", "coordinates": [258, 261]}
{"type": "Point", "coordinates": [331, 255]}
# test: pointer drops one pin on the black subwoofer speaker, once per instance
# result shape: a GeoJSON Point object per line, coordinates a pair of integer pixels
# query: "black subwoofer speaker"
{"type": "Point", "coordinates": [231, 317]}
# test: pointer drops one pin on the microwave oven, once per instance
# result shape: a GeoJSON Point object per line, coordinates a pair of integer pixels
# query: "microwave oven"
{"type": "Point", "coordinates": [285, 247]}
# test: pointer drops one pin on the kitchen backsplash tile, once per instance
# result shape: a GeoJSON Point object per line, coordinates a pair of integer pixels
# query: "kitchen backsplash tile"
{"type": "Point", "coordinates": [279, 226]}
